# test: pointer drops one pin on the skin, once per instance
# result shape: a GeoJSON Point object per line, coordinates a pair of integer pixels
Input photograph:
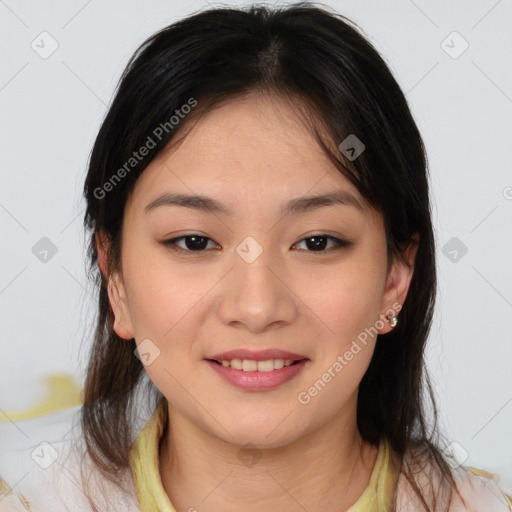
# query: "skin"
{"type": "Point", "coordinates": [254, 154]}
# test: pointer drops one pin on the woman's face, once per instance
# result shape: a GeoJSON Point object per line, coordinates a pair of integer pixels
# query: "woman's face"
{"type": "Point", "coordinates": [253, 279]}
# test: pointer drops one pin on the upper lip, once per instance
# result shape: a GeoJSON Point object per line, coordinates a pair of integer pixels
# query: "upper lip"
{"type": "Point", "coordinates": [256, 355]}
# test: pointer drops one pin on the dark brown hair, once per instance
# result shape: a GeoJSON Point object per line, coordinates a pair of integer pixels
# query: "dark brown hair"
{"type": "Point", "coordinates": [320, 62]}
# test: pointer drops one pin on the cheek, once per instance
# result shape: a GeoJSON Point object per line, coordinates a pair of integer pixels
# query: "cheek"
{"type": "Point", "coordinates": [331, 390]}
{"type": "Point", "coordinates": [167, 306]}
{"type": "Point", "coordinates": [164, 307]}
{"type": "Point", "coordinates": [160, 293]}
{"type": "Point", "coordinates": [346, 301]}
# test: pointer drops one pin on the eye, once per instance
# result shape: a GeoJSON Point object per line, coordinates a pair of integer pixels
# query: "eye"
{"type": "Point", "coordinates": [193, 243]}
{"type": "Point", "coordinates": [197, 243]}
{"type": "Point", "coordinates": [318, 242]}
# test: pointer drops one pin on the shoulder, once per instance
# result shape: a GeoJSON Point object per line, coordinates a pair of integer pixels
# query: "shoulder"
{"type": "Point", "coordinates": [480, 491]}
{"type": "Point", "coordinates": [41, 468]}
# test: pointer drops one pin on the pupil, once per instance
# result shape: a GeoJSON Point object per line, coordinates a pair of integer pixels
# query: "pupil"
{"type": "Point", "coordinates": [315, 244]}
{"type": "Point", "coordinates": [196, 246]}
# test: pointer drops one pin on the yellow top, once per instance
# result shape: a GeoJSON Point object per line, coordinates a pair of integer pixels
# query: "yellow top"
{"type": "Point", "coordinates": [144, 461]}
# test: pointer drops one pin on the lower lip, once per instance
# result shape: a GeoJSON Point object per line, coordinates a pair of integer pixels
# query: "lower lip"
{"type": "Point", "coordinates": [258, 381]}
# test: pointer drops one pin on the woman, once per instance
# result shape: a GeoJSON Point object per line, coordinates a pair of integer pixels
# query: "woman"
{"type": "Point", "coordinates": [260, 231]}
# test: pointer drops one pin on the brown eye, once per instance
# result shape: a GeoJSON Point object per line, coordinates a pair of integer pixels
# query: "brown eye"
{"type": "Point", "coordinates": [317, 243]}
{"type": "Point", "coordinates": [193, 243]}
{"type": "Point", "coordinates": [197, 243]}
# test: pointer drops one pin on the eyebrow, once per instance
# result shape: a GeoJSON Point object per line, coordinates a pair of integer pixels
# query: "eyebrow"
{"type": "Point", "coordinates": [294, 206]}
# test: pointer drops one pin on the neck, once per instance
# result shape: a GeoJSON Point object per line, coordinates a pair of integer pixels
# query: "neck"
{"type": "Point", "coordinates": [326, 469]}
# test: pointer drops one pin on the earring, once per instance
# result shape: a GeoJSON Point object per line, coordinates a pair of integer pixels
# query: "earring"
{"type": "Point", "coordinates": [392, 321]}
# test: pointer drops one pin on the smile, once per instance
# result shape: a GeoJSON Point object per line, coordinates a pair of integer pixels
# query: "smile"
{"type": "Point", "coordinates": [251, 375]}
{"type": "Point", "coordinates": [250, 365]}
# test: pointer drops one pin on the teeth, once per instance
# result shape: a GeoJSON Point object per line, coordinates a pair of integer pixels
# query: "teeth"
{"type": "Point", "coordinates": [248, 365]}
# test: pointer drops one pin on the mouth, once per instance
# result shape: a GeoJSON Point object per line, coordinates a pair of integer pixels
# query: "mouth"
{"type": "Point", "coordinates": [252, 365]}
{"type": "Point", "coordinates": [255, 376]}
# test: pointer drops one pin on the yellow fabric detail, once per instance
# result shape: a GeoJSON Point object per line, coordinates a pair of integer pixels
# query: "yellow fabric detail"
{"type": "Point", "coordinates": [62, 392]}
{"type": "Point", "coordinates": [5, 491]}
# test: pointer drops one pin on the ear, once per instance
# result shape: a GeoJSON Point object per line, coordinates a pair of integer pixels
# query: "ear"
{"type": "Point", "coordinates": [398, 282]}
{"type": "Point", "coordinates": [116, 290]}
{"type": "Point", "coordinates": [102, 247]}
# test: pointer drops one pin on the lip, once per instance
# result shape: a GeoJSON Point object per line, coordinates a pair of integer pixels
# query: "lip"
{"type": "Point", "coordinates": [256, 355]}
{"type": "Point", "coordinates": [258, 381]}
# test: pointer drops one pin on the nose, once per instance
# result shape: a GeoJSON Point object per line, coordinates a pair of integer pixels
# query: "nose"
{"type": "Point", "coordinates": [257, 295]}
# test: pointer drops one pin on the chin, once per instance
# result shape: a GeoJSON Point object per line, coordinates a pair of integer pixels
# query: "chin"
{"type": "Point", "coordinates": [258, 434]}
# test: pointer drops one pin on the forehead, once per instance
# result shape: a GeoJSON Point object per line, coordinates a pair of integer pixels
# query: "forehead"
{"type": "Point", "coordinates": [250, 149]}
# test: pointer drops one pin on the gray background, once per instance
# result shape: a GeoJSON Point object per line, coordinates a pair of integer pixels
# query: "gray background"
{"type": "Point", "coordinates": [51, 110]}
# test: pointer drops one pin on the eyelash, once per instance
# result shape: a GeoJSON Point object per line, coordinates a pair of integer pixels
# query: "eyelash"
{"type": "Point", "coordinates": [340, 244]}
